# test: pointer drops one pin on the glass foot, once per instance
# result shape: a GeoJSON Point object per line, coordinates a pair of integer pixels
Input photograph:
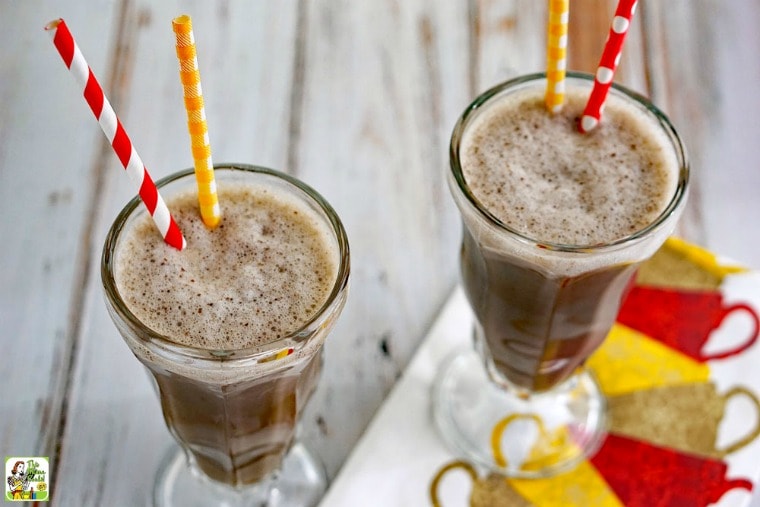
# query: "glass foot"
{"type": "Point", "coordinates": [540, 436]}
{"type": "Point", "coordinates": [300, 482]}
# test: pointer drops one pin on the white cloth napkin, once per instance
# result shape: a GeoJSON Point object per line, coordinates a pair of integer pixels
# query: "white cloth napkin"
{"type": "Point", "coordinates": [400, 451]}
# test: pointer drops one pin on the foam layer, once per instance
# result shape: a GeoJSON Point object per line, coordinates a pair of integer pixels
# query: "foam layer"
{"type": "Point", "coordinates": [260, 275]}
{"type": "Point", "coordinates": [542, 178]}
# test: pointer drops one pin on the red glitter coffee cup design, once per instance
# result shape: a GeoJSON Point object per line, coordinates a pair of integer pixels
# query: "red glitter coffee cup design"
{"type": "Point", "coordinates": [645, 475]}
{"type": "Point", "coordinates": [684, 320]}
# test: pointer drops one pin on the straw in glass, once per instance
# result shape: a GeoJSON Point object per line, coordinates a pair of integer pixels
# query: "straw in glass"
{"type": "Point", "coordinates": [592, 115]}
{"type": "Point", "coordinates": [115, 133]}
{"type": "Point", "coordinates": [196, 120]}
{"type": "Point", "coordinates": [556, 54]}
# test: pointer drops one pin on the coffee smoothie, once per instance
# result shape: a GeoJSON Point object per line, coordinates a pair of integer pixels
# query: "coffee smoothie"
{"type": "Point", "coordinates": [258, 276]}
{"type": "Point", "coordinates": [248, 304]}
{"type": "Point", "coordinates": [541, 199]}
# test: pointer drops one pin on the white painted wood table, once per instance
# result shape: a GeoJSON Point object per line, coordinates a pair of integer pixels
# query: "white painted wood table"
{"type": "Point", "coordinates": [358, 99]}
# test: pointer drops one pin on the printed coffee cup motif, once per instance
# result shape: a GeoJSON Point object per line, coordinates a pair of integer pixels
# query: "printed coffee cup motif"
{"type": "Point", "coordinates": [684, 320]}
{"type": "Point", "coordinates": [493, 491]}
{"type": "Point", "coordinates": [629, 361]}
{"type": "Point", "coordinates": [681, 265]}
{"type": "Point", "coordinates": [645, 475]}
{"type": "Point", "coordinates": [582, 486]}
{"type": "Point", "coordinates": [548, 449]}
{"type": "Point", "coordinates": [685, 418]}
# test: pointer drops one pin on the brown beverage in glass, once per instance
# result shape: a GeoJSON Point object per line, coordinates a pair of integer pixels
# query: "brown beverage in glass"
{"type": "Point", "coordinates": [556, 221]}
{"type": "Point", "coordinates": [232, 327]}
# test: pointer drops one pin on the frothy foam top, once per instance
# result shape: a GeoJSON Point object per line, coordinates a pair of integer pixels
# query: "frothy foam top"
{"type": "Point", "coordinates": [537, 174]}
{"type": "Point", "coordinates": [259, 276]}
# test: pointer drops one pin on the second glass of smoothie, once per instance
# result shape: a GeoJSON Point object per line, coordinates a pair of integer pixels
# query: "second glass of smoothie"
{"type": "Point", "coordinates": [231, 329]}
{"type": "Point", "coordinates": [555, 224]}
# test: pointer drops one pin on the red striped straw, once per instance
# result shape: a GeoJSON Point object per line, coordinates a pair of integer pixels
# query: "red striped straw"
{"type": "Point", "coordinates": [115, 133]}
{"type": "Point", "coordinates": [607, 65]}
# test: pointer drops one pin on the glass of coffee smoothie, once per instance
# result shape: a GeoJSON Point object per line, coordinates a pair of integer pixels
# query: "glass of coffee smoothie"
{"type": "Point", "coordinates": [231, 329]}
{"type": "Point", "coordinates": [555, 224]}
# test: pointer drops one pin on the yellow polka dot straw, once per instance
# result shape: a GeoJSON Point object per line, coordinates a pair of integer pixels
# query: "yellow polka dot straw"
{"type": "Point", "coordinates": [556, 54]}
{"type": "Point", "coordinates": [196, 120]}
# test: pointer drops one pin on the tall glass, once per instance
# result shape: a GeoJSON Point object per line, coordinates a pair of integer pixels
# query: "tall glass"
{"type": "Point", "coordinates": [521, 403]}
{"type": "Point", "coordinates": [234, 412]}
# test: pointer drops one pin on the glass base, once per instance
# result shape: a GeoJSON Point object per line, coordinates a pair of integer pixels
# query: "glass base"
{"type": "Point", "coordinates": [540, 436]}
{"type": "Point", "coordinates": [300, 482]}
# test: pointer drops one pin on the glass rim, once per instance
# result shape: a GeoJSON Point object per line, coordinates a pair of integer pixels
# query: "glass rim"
{"type": "Point", "coordinates": [296, 339]}
{"type": "Point", "coordinates": [484, 99]}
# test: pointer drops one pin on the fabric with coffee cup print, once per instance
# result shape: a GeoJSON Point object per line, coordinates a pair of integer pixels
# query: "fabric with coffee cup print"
{"type": "Point", "coordinates": [684, 319]}
{"type": "Point", "coordinates": [663, 374]}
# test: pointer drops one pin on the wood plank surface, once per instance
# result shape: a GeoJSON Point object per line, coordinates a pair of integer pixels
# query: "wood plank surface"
{"type": "Point", "coordinates": [113, 406]}
{"type": "Point", "coordinates": [376, 114]}
{"type": "Point", "coordinates": [358, 99]}
{"type": "Point", "coordinates": [48, 152]}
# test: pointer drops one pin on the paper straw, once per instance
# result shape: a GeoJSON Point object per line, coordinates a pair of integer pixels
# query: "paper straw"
{"type": "Point", "coordinates": [607, 65]}
{"type": "Point", "coordinates": [115, 133]}
{"type": "Point", "coordinates": [556, 54]}
{"type": "Point", "coordinates": [196, 120]}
